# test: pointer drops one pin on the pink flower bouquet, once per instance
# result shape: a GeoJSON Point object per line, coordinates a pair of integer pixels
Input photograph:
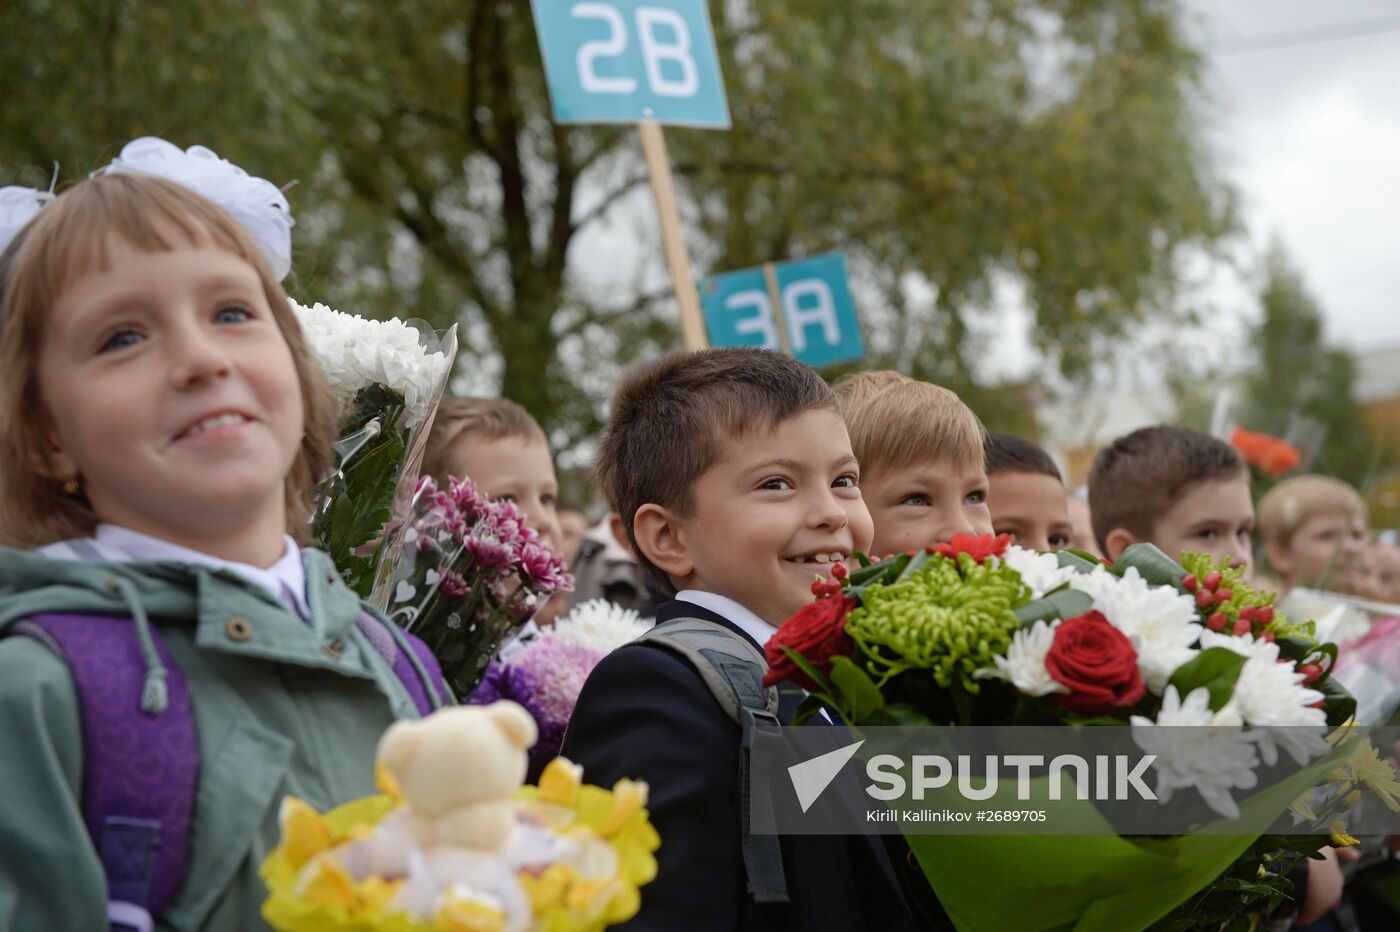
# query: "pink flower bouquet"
{"type": "Point", "coordinates": [471, 575]}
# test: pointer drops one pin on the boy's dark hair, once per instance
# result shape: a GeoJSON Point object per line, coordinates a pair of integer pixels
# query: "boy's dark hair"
{"type": "Point", "coordinates": [1014, 453]}
{"type": "Point", "coordinates": [1137, 478]}
{"type": "Point", "coordinates": [669, 419]}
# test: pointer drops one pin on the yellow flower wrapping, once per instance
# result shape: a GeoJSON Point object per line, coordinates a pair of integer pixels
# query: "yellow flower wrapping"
{"type": "Point", "coordinates": [341, 905]}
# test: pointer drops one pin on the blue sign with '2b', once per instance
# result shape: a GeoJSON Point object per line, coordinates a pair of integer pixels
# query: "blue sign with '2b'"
{"type": "Point", "coordinates": [819, 316]}
{"type": "Point", "coordinates": [621, 61]}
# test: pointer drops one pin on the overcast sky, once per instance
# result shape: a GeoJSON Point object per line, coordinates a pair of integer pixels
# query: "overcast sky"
{"type": "Point", "coordinates": [1310, 135]}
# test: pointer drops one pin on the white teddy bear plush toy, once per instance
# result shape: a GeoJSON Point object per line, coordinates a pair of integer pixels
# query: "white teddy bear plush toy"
{"type": "Point", "coordinates": [458, 770]}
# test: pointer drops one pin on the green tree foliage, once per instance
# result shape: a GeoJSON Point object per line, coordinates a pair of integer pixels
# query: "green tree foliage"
{"type": "Point", "coordinates": [944, 146]}
{"type": "Point", "coordinates": [1301, 388]}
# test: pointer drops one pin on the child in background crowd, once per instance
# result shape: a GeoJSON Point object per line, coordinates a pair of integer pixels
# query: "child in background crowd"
{"type": "Point", "coordinates": [920, 450]}
{"type": "Point", "coordinates": [1175, 487]}
{"type": "Point", "coordinates": [572, 525]}
{"type": "Point", "coordinates": [1313, 530]}
{"type": "Point", "coordinates": [1182, 489]}
{"type": "Point", "coordinates": [1027, 498]}
{"type": "Point", "coordinates": [606, 568]}
{"type": "Point", "coordinates": [496, 444]}
{"type": "Point", "coordinates": [172, 664]}
{"type": "Point", "coordinates": [1380, 573]}
{"type": "Point", "coordinates": [736, 484]}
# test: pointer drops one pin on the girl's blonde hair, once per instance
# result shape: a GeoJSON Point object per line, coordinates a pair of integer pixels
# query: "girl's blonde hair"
{"type": "Point", "coordinates": [67, 240]}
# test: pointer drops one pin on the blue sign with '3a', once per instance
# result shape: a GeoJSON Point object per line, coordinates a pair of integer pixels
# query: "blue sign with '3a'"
{"type": "Point", "coordinates": [819, 316]}
{"type": "Point", "coordinates": [622, 61]}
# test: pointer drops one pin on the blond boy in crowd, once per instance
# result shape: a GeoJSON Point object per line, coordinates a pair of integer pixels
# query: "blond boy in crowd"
{"type": "Point", "coordinates": [923, 472]}
{"type": "Point", "coordinates": [1314, 530]}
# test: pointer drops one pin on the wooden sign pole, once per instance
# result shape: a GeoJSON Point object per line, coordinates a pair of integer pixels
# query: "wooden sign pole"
{"type": "Point", "coordinates": [770, 277]}
{"type": "Point", "coordinates": [677, 259]}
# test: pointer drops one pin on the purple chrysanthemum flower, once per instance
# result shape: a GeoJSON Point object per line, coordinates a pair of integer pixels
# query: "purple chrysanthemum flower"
{"type": "Point", "coordinates": [545, 569]}
{"type": "Point", "coordinates": [545, 677]}
{"type": "Point", "coordinates": [489, 552]}
{"type": "Point", "coordinates": [453, 586]}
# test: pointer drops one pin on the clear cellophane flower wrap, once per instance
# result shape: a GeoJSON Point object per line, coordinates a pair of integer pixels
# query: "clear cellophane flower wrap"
{"type": "Point", "coordinates": [472, 574]}
{"type": "Point", "coordinates": [579, 855]}
{"type": "Point", "coordinates": [388, 377]}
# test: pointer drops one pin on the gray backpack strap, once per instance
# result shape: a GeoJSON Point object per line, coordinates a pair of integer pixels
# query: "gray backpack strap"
{"type": "Point", "coordinates": [733, 670]}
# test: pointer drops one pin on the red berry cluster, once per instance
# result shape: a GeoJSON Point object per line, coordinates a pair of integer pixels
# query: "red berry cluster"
{"type": "Point", "coordinates": [821, 587]}
{"type": "Point", "coordinates": [1210, 593]}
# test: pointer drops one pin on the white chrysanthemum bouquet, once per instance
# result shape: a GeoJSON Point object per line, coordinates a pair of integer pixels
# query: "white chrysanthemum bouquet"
{"type": "Point", "coordinates": [388, 376]}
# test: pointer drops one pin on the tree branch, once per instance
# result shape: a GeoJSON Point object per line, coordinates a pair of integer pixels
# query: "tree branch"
{"type": "Point", "coordinates": [608, 200]}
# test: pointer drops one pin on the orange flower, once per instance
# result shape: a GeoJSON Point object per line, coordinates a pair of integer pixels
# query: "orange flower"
{"type": "Point", "coordinates": [1270, 454]}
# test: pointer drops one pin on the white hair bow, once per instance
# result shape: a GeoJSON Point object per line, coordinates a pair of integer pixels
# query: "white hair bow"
{"type": "Point", "coordinates": [256, 203]}
{"type": "Point", "coordinates": [17, 207]}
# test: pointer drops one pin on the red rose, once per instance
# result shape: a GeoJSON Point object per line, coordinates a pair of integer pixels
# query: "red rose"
{"type": "Point", "coordinates": [977, 546]}
{"type": "Point", "coordinates": [1098, 664]}
{"type": "Point", "coordinates": [818, 633]}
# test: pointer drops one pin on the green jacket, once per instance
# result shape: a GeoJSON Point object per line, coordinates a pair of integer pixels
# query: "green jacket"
{"type": "Point", "coordinates": [281, 707]}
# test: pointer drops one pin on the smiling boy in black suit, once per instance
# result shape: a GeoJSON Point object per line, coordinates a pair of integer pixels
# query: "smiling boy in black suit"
{"type": "Point", "coordinates": [734, 474]}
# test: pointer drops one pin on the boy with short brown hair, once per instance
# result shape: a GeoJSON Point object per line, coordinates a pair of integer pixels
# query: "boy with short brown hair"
{"type": "Point", "coordinates": [1028, 498]}
{"type": "Point", "coordinates": [921, 457]}
{"type": "Point", "coordinates": [735, 480]}
{"type": "Point", "coordinates": [1175, 487]}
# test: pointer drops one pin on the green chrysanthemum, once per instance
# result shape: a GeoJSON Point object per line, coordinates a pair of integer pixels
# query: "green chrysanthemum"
{"type": "Point", "coordinates": [947, 617]}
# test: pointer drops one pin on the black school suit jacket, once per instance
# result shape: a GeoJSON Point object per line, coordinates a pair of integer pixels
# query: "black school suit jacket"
{"type": "Point", "coordinates": [645, 713]}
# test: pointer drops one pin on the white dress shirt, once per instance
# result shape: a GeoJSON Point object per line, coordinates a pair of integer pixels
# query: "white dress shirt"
{"type": "Point", "coordinates": [285, 579]}
{"type": "Point", "coordinates": [745, 620]}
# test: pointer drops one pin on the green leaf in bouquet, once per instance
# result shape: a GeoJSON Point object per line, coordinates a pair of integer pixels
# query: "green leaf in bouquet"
{"type": "Point", "coordinates": [1216, 668]}
{"type": "Point", "coordinates": [364, 497]}
{"type": "Point", "coordinates": [1152, 565]}
{"type": "Point", "coordinates": [915, 562]}
{"type": "Point", "coordinates": [897, 713]}
{"type": "Point", "coordinates": [806, 709]}
{"type": "Point", "coordinates": [1295, 648]}
{"type": "Point", "coordinates": [883, 573]}
{"type": "Point", "coordinates": [1337, 700]}
{"type": "Point", "coordinates": [855, 687]}
{"type": "Point", "coordinates": [1080, 560]}
{"type": "Point", "coordinates": [806, 667]}
{"type": "Point", "coordinates": [1061, 604]}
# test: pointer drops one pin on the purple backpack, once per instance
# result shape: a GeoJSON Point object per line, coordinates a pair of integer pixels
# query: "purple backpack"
{"type": "Point", "coordinates": [139, 817]}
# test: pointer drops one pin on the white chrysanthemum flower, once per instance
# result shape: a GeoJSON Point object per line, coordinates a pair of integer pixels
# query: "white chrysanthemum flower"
{"type": "Point", "coordinates": [355, 353]}
{"type": "Point", "coordinates": [1159, 620]}
{"type": "Point", "coordinates": [1270, 695]}
{"type": "Point", "coordinates": [1024, 663]}
{"type": "Point", "coordinates": [1212, 753]}
{"type": "Point", "coordinates": [600, 624]}
{"type": "Point", "coordinates": [1041, 571]}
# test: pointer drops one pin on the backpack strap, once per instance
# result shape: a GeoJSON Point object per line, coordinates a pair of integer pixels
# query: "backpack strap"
{"type": "Point", "coordinates": [413, 663]}
{"type": "Point", "coordinates": [733, 670]}
{"type": "Point", "coordinates": [140, 768]}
